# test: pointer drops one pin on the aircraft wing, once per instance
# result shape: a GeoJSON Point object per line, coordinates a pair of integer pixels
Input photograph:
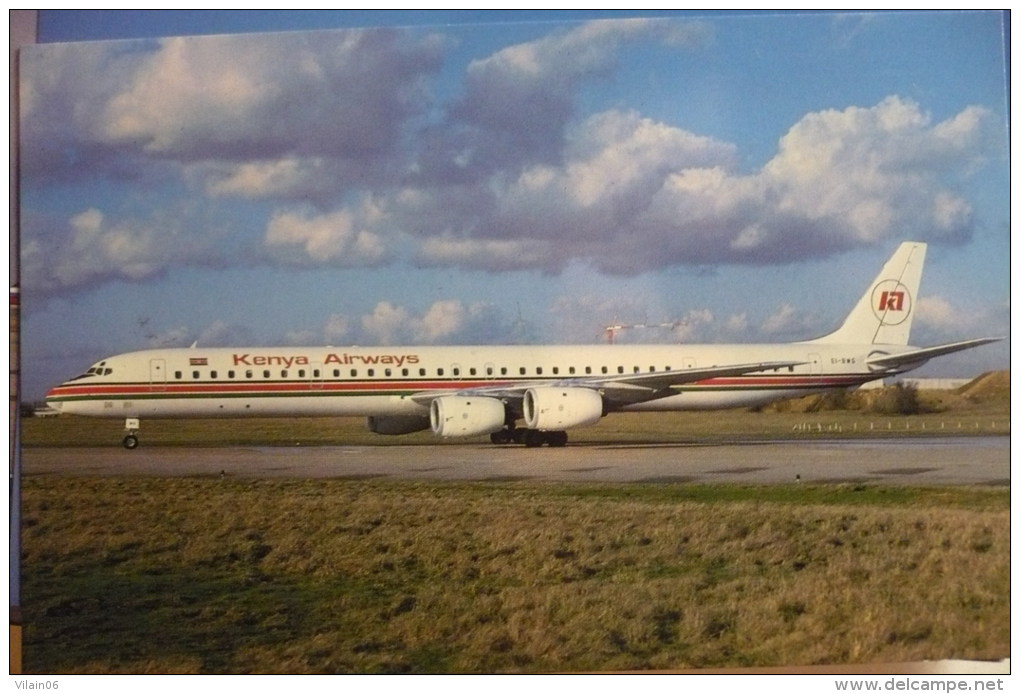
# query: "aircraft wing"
{"type": "Point", "coordinates": [618, 389]}
{"type": "Point", "coordinates": [641, 387]}
{"type": "Point", "coordinates": [895, 361]}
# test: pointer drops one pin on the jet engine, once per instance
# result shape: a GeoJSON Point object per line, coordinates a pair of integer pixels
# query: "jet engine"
{"type": "Point", "coordinates": [556, 409]}
{"type": "Point", "coordinates": [394, 426]}
{"type": "Point", "coordinates": [463, 415]}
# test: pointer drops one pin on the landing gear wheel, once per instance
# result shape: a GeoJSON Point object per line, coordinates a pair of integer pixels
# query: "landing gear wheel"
{"type": "Point", "coordinates": [130, 442]}
{"type": "Point", "coordinates": [556, 439]}
{"type": "Point", "coordinates": [502, 436]}
{"type": "Point", "coordinates": [533, 439]}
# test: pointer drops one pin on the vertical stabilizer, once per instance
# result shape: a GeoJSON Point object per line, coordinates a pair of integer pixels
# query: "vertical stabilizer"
{"type": "Point", "coordinates": [885, 312]}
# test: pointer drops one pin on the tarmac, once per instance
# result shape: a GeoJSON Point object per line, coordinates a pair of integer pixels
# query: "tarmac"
{"type": "Point", "coordinates": [916, 462]}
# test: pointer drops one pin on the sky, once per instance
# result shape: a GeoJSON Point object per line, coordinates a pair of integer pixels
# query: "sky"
{"type": "Point", "coordinates": [355, 178]}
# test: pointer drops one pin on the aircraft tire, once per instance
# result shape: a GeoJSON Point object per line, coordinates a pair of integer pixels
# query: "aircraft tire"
{"type": "Point", "coordinates": [556, 439]}
{"type": "Point", "coordinates": [130, 442]}
{"type": "Point", "coordinates": [501, 437]}
{"type": "Point", "coordinates": [533, 439]}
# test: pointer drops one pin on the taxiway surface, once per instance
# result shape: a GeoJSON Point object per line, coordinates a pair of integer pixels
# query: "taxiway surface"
{"type": "Point", "coordinates": [920, 462]}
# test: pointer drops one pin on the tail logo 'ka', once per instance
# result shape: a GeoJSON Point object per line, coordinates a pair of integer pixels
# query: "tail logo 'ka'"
{"type": "Point", "coordinates": [891, 302]}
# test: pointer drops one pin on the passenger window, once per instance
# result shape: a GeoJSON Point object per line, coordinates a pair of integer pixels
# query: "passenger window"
{"type": "Point", "coordinates": [605, 369]}
{"type": "Point", "coordinates": [389, 372]}
{"type": "Point", "coordinates": [619, 369]}
{"type": "Point", "coordinates": [354, 373]}
{"type": "Point", "coordinates": [439, 372]}
{"type": "Point", "coordinates": [405, 372]}
{"type": "Point", "coordinates": [212, 374]}
{"type": "Point", "coordinates": [301, 373]}
{"type": "Point", "coordinates": [371, 372]}
{"type": "Point", "coordinates": [336, 373]}
{"type": "Point", "coordinates": [265, 374]}
{"type": "Point", "coordinates": [421, 372]}
{"type": "Point", "coordinates": [538, 371]}
{"type": "Point", "coordinates": [502, 371]}
{"type": "Point", "coordinates": [248, 373]}
{"type": "Point", "coordinates": [178, 375]}
{"type": "Point", "coordinates": [194, 374]}
{"type": "Point", "coordinates": [587, 369]}
{"type": "Point", "coordinates": [556, 370]}
{"type": "Point", "coordinates": [524, 371]}
{"type": "Point", "coordinates": [283, 374]}
{"type": "Point", "coordinates": [230, 374]}
{"type": "Point", "coordinates": [456, 372]}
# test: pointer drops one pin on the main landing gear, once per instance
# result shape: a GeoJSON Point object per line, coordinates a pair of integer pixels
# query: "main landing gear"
{"type": "Point", "coordinates": [130, 439]}
{"type": "Point", "coordinates": [531, 438]}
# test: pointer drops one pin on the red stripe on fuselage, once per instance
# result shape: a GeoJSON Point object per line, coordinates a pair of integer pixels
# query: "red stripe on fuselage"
{"type": "Point", "coordinates": [122, 390]}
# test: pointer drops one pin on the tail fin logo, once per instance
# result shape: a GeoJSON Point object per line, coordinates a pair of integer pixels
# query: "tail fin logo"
{"type": "Point", "coordinates": [891, 302]}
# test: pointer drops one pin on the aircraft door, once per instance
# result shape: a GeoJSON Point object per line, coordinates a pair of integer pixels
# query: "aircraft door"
{"type": "Point", "coordinates": [157, 374]}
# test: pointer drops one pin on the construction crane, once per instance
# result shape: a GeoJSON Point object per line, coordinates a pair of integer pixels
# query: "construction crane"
{"type": "Point", "coordinates": [610, 331]}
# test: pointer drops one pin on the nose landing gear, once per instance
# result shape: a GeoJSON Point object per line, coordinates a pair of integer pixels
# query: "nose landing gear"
{"type": "Point", "coordinates": [130, 440]}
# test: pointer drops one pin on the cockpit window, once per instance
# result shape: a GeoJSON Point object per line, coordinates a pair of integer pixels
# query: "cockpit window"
{"type": "Point", "coordinates": [99, 369]}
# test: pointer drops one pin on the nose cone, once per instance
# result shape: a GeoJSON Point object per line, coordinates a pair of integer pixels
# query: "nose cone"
{"type": "Point", "coordinates": [53, 400]}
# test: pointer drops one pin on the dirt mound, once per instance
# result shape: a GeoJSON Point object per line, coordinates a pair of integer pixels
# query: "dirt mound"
{"type": "Point", "coordinates": [991, 386]}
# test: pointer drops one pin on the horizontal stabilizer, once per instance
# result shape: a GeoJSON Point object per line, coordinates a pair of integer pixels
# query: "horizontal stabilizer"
{"type": "Point", "coordinates": [894, 361]}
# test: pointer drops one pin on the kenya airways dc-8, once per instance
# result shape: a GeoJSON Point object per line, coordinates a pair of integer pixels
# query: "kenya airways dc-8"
{"type": "Point", "coordinates": [469, 391]}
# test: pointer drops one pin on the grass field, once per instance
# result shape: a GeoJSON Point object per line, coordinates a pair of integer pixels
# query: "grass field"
{"type": "Point", "coordinates": [293, 576]}
{"type": "Point", "coordinates": [210, 575]}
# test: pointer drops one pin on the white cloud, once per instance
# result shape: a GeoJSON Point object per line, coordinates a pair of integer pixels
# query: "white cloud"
{"type": "Point", "coordinates": [387, 325]}
{"type": "Point", "coordinates": [264, 179]}
{"type": "Point", "coordinates": [786, 322]}
{"type": "Point", "coordinates": [444, 318]}
{"type": "Point", "coordinates": [488, 254]}
{"type": "Point", "coordinates": [868, 172]}
{"type": "Point", "coordinates": [337, 238]}
{"type": "Point", "coordinates": [518, 101]}
{"type": "Point", "coordinates": [512, 181]}
{"type": "Point", "coordinates": [337, 328]}
{"type": "Point", "coordinates": [344, 92]}
{"type": "Point", "coordinates": [620, 155]}
{"type": "Point", "coordinates": [632, 194]}
{"type": "Point", "coordinates": [171, 337]}
{"type": "Point", "coordinates": [90, 247]}
{"type": "Point", "coordinates": [223, 333]}
{"type": "Point", "coordinates": [447, 321]}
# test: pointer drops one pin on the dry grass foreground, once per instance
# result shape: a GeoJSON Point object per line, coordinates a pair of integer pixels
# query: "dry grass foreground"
{"type": "Point", "coordinates": [225, 575]}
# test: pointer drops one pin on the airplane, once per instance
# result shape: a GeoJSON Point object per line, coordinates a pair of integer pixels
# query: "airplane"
{"type": "Point", "coordinates": [464, 391]}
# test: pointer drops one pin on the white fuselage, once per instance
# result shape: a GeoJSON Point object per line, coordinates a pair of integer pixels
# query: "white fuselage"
{"type": "Point", "coordinates": [380, 381]}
